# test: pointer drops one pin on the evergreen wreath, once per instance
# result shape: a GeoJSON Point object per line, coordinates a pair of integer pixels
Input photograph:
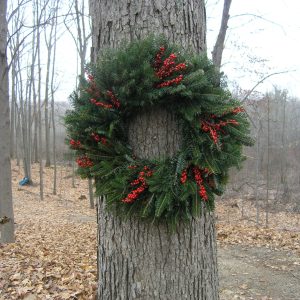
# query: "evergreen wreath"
{"type": "Point", "coordinates": [142, 75]}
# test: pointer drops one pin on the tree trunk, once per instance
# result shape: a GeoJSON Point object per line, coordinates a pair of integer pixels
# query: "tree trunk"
{"type": "Point", "coordinates": [138, 260]}
{"type": "Point", "coordinates": [12, 114]}
{"type": "Point", "coordinates": [91, 193]}
{"type": "Point", "coordinates": [182, 22]}
{"type": "Point", "coordinates": [40, 142]}
{"type": "Point", "coordinates": [217, 52]}
{"type": "Point", "coordinates": [6, 207]}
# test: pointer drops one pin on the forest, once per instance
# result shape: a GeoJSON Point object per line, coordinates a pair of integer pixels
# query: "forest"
{"type": "Point", "coordinates": [62, 173]}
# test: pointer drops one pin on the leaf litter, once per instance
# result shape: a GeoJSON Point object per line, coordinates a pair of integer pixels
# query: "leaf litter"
{"type": "Point", "coordinates": [55, 254]}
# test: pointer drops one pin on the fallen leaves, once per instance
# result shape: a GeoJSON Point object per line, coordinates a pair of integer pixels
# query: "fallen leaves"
{"type": "Point", "coordinates": [54, 256]}
{"type": "Point", "coordinates": [283, 232]}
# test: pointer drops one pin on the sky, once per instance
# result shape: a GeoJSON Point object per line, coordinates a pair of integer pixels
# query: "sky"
{"type": "Point", "coordinates": [267, 32]}
{"type": "Point", "coordinates": [263, 37]}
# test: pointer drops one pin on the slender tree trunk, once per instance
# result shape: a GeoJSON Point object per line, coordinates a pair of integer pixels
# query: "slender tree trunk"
{"type": "Point", "coordinates": [73, 171]}
{"type": "Point", "coordinates": [53, 103]}
{"type": "Point", "coordinates": [138, 260]}
{"type": "Point", "coordinates": [18, 128]}
{"type": "Point", "coordinates": [91, 193]}
{"type": "Point", "coordinates": [24, 121]}
{"type": "Point", "coordinates": [40, 142]}
{"type": "Point", "coordinates": [35, 110]}
{"type": "Point", "coordinates": [6, 205]}
{"type": "Point", "coordinates": [283, 161]}
{"type": "Point", "coordinates": [46, 108]}
{"type": "Point", "coordinates": [217, 52]}
{"type": "Point", "coordinates": [35, 127]}
{"type": "Point", "coordinates": [12, 113]}
{"type": "Point", "coordinates": [257, 170]}
{"type": "Point", "coordinates": [268, 165]}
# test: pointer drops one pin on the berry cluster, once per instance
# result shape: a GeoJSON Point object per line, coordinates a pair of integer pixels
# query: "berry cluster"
{"type": "Point", "coordinates": [213, 128]}
{"type": "Point", "coordinates": [102, 104]}
{"type": "Point", "coordinates": [98, 139]}
{"type": "Point", "coordinates": [183, 177]}
{"type": "Point", "coordinates": [75, 144]}
{"type": "Point", "coordinates": [199, 181]}
{"type": "Point", "coordinates": [92, 89]}
{"type": "Point", "coordinates": [113, 99]}
{"type": "Point", "coordinates": [84, 162]}
{"type": "Point", "coordinates": [115, 102]}
{"type": "Point", "coordinates": [158, 58]}
{"type": "Point", "coordinates": [237, 110]}
{"type": "Point", "coordinates": [132, 167]}
{"type": "Point", "coordinates": [167, 68]}
{"type": "Point", "coordinates": [176, 80]}
{"type": "Point", "coordinates": [141, 181]}
{"type": "Point", "coordinates": [95, 93]}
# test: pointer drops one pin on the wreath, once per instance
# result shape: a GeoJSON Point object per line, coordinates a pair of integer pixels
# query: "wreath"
{"type": "Point", "coordinates": [140, 76]}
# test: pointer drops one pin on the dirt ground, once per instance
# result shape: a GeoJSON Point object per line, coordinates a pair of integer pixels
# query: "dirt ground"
{"type": "Point", "coordinates": [258, 273]}
{"type": "Point", "coordinates": [45, 263]}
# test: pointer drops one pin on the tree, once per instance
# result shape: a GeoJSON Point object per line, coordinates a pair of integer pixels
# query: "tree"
{"type": "Point", "coordinates": [6, 207]}
{"type": "Point", "coordinates": [219, 45]}
{"type": "Point", "coordinates": [137, 260]}
{"type": "Point", "coordinates": [81, 40]}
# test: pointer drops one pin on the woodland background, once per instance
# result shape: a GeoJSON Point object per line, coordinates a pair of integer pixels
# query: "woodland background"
{"type": "Point", "coordinates": [37, 29]}
{"type": "Point", "coordinates": [261, 206]}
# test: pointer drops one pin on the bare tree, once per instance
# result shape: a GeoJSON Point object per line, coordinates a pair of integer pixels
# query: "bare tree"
{"type": "Point", "coordinates": [6, 206]}
{"type": "Point", "coordinates": [217, 52]}
{"type": "Point", "coordinates": [40, 142]}
{"type": "Point", "coordinates": [52, 87]}
{"type": "Point", "coordinates": [81, 39]}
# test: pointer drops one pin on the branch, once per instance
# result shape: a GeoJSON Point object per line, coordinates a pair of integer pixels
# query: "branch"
{"type": "Point", "coordinates": [261, 81]}
{"type": "Point", "coordinates": [259, 17]}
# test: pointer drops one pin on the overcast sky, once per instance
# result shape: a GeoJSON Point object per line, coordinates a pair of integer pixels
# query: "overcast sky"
{"type": "Point", "coordinates": [272, 38]}
{"type": "Point", "coordinates": [263, 38]}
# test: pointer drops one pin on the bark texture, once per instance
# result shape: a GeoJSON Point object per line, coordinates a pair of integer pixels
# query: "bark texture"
{"type": "Point", "coordinates": [142, 261]}
{"type": "Point", "coordinates": [6, 207]}
{"type": "Point", "coordinates": [137, 260]}
{"type": "Point", "coordinates": [154, 134]}
{"type": "Point", "coordinates": [181, 21]}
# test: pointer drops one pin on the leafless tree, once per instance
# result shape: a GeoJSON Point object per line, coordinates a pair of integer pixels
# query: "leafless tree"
{"type": "Point", "coordinates": [219, 45]}
{"type": "Point", "coordinates": [6, 205]}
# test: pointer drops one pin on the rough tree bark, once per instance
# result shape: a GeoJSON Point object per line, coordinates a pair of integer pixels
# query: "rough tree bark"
{"type": "Point", "coordinates": [6, 207]}
{"type": "Point", "coordinates": [138, 260]}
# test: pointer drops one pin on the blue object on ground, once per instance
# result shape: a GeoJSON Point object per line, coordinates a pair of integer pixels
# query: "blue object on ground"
{"type": "Point", "coordinates": [24, 181]}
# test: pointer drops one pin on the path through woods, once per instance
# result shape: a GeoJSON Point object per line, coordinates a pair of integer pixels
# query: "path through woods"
{"type": "Point", "coordinates": [55, 253]}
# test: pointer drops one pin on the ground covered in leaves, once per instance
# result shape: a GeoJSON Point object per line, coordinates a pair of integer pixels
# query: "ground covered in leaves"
{"type": "Point", "coordinates": [54, 256]}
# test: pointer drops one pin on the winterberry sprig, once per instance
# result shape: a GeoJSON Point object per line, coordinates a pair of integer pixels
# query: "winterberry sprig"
{"type": "Point", "coordinates": [176, 80]}
{"type": "Point", "coordinates": [238, 110]}
{"type": "Point", "coordinates": [167, 68]}
{"type": "Point", "coordinates": [115, 101]}
{"type": "Point", "coordinates": [141, 181]}
{"type": "Point", "coordinates": [98, 138]}
{"type": "Point", "coordinates": [199, 181]}
{"type": "Point", "coordinates": [183, 177]}
{"type": "Point", "coordinates": [100, 103]}
{"type": "Point", "coordinates": [158, 58]}
{"type": "Point", "coordinates": [213, 128]}
{"type": "Point", "coordinates": [84, 162]}
{"type": "Point", "coordinates": [75, 144]}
